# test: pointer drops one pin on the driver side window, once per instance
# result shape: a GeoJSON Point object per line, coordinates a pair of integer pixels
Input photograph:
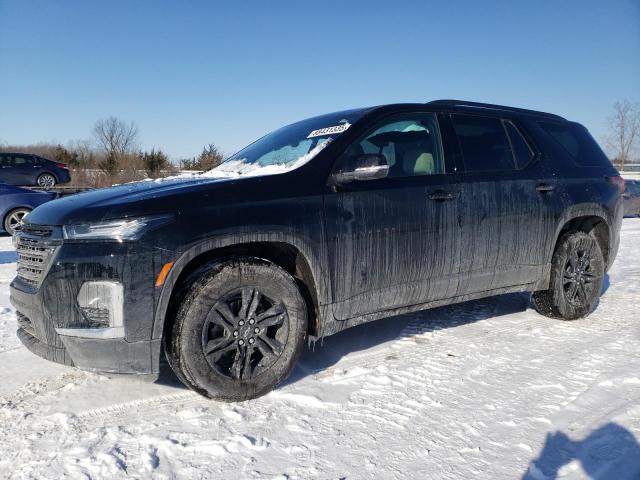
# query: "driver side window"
{"type": "Point", "coordinates": [410, 144]}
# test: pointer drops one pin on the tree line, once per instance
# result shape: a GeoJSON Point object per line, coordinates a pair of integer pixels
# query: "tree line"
{"type": "Point", "coordinates": [113, 155]}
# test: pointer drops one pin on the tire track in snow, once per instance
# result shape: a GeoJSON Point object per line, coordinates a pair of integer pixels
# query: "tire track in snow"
{"type": "Point", "coordinates": [381, 355]}
{"type": "Point", "coordinates": [394, 416]}
{"type": "Point", "coordinates": [119, 409]}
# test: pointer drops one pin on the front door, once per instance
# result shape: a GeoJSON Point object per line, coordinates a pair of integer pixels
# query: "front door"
{"type": "Point", "coordinates": [394, 241]}
{"type": "Point", "coordinates": [6, 169]}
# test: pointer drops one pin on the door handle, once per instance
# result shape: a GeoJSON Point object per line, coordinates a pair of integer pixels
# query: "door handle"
{"type": "Point", "coordinates": [441, 196]}
{"type": "Point", "coordinates": [544, 187]}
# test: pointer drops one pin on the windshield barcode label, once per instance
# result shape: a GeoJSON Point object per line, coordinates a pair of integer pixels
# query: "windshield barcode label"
{"type": "Point", "coordinates": [329, 130]}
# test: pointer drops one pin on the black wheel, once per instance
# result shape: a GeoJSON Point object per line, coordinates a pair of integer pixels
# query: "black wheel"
{"type": "Point", "coordinates": [46, 180]}
{"type": "Point", "coordinates": [14, 218]}
{"type": "Point", "coordinates": [239, 330]}
{"type": "Point", "coordinates": [577, 273]}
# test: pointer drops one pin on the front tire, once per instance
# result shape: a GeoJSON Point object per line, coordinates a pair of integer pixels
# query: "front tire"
{"type": "Point", "coordinates": [239, 330]}
{"type": "Point", "coordinates": [577, 274]}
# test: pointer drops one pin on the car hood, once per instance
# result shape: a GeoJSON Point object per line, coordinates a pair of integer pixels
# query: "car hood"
{"type": "Point", "coordinates": [139, 198]}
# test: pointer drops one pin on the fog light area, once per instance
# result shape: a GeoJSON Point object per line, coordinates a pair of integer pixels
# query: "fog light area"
{"type": "Point", "coordinates": [101, 305]}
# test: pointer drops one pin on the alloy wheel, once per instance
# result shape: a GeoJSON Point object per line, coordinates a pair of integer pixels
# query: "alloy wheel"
{"type": "Point", "coordinates": [579, 277]}
{"type": "Point", "coordinates": [244, 333]}
{"type": "Point", "coordinates": [46, 180]}
{"type": "Point", "coordinates": [15, 219]}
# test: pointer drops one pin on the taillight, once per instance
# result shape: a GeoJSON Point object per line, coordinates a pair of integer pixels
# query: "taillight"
{"type": "Point", "coordinates": [62, 165]}
{"type": "Point", "coordinates": [618, 181]}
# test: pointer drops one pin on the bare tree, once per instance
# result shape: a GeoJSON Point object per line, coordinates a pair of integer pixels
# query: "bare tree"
{"type": "Point", "coordinates": [118, 140]}
{"type": "Point", "coordinates": [115, 136]}
{"type": "Point", "coordinates": [624, 132]}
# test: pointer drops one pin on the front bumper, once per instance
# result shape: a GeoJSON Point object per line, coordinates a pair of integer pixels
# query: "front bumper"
{"type": "Point", "coordinates": [51, 323]}
{"type": "Point", "coordinates": [115, 355]}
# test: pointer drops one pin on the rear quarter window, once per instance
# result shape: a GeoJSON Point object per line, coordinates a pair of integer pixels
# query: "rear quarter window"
{"type": "Point", "coordinates": [578, 142]}
{"type": "Point", "coordinates": [521, 149]}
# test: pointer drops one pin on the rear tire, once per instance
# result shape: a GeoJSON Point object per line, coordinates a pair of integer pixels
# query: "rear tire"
{"type": "Point", "coordinates": [577, 274]}
{"type": "Point", "coordinates": [46, 180]}
{"type": "Point", "coordinates": [14, 218]}
{"type": "Point", "coordinates": [238, 331]}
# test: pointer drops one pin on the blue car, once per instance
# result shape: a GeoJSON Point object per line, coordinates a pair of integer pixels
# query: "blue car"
{"type": "Point", "coordinates": [28, 169]}
{"type": "Point", "coordinates": [16, 202]}
{"type": "Point", "coordinates": [631, 197]}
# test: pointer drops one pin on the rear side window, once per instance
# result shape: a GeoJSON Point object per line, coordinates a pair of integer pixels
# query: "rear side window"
{"type": "Point", "coordinates": [20, 160]}
{"type": "Point", "coordinates": [484, 143]}
{"type": "Point", "coordinates": [577, 141]}
{"type": "Point", "coordinates": [521, 150]}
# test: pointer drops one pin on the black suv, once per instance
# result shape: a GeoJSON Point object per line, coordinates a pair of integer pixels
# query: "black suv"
{"type": "Point", "coordinates": [321, 225]}
{"type": "Point", "coordinates": [27, 169]}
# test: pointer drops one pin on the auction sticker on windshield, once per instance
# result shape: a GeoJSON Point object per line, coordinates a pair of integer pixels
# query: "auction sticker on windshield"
{"type": "Point", "coordinates": [329, 130]}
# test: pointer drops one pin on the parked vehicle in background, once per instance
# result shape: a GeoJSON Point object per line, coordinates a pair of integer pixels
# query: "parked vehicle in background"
{"type": "Point", "coordinates": [631, 198]}
{"type": "Point", "coordinates": [324, 224]}
{"type": "Point", "coordinates": [24, 169]}
{"type": "Point", "coordinates": [16, 203]}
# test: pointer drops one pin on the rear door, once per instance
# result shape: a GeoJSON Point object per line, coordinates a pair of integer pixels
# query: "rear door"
{"type": "Point", "coordinates": [509, 204]}
{"type": "Point", "coordinates": [394, 241]}
{"type": "Point", "coordinates": [23, 169]}
{"type": "Point", "coordinates": [38, 166]}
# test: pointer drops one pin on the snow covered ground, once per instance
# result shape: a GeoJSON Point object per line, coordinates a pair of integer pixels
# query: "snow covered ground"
{"type": "Point", "coordinates": [486, 389]}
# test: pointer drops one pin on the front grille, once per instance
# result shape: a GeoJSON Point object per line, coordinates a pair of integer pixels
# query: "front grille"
{"type": "Point", "coordinates": [34, 258]}
{"type": "Point", "coordinates": [36, 230]}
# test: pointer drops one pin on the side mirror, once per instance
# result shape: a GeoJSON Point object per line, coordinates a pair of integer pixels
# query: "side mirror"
{"type": "Point", "coordinates": [369, 166]}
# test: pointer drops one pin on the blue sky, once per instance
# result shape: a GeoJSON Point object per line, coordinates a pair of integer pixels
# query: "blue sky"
{"type": "Point", "coordinates": [192, 73]}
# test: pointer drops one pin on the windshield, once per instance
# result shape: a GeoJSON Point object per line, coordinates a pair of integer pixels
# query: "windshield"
{"type": "Point", "coordinates": [288, 147]}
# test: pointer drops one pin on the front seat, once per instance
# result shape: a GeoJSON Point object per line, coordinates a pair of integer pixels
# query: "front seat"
{"type": "Point", "coordinates": [416, 161]}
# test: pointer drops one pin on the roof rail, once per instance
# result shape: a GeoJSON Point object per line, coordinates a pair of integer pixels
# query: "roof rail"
{"type": "Point", "coordinates": [490, 106]}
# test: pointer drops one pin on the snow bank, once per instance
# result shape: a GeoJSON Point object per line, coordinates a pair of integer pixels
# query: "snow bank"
{"type": "Point", "coordinates": [486, 390]}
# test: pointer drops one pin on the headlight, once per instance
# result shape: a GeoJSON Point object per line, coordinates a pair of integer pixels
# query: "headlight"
{"type": "Point", "coordinates": [118, 230]}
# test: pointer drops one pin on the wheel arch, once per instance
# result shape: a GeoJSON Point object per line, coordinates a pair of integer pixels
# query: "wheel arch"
{"type": "Point", "coordinates": [590, 219]}
{"type": "Point", "coordinates": [294, 258]}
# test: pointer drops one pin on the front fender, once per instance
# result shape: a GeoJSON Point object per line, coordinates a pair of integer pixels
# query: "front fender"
{"type": "Point", "coordinates": [311, 249]}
